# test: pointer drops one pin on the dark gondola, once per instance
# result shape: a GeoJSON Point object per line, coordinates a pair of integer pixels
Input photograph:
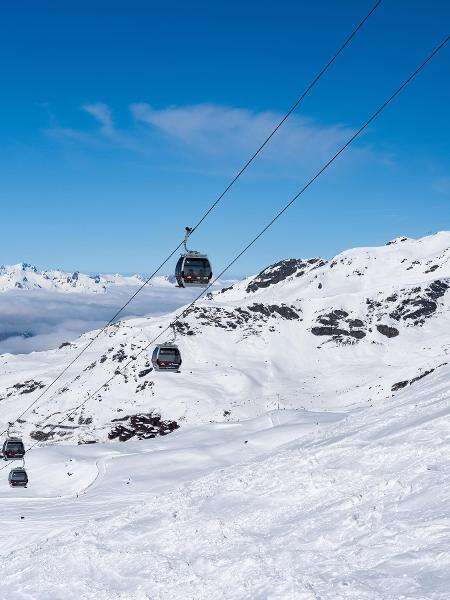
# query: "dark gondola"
{"type": "Point", "coordinates": [13, 449]}
{"type": "Point", "coordinates": [166, 357]}
{"type": "Point", "coordinates": [18, 477]}
{"type": "Point", "coordinates": [193, 268]}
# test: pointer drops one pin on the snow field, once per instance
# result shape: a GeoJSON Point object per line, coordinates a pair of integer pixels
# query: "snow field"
{"type": "Point", "coordinates": [352, 506]}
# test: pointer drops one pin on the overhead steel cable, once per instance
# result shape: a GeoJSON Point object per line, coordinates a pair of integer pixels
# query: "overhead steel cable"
{"type": "Point", "coordinates": [211, 208]}
{"type": "Point", "coordinates": [185, 311]}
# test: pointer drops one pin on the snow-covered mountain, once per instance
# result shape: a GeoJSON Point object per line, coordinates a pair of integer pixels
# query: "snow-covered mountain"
{"type": "Point", "coordinates": [24, 276]}
{"type": "Point", "coordinates": [308, 447]}
{"type": "Point", "coordinates": [313, 334]}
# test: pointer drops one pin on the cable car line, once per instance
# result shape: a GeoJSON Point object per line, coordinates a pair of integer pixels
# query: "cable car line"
{"type": "Point", "coordinates": [310, 86]}
{"type": "Point", "coordinates": [185, 311]}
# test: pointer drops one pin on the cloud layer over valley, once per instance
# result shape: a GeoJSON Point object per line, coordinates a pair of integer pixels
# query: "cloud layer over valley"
{"type": "Point", "coordinates": [36, 320]}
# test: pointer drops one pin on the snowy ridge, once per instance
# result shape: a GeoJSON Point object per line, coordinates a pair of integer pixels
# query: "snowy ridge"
{"type": "Point", "coordinates": [313, 334]}
{"type": "Point", "coordinates": [24, 276]}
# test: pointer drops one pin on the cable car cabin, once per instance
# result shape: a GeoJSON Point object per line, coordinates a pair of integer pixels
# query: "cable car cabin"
{"type": "Point", "coordinates": [166, 357]}
{"type": "Point", "coordinates": [192, 269]}
{"type": "Point", "coordinates": [13, 449]}
{"type": "Point", "coordinates": [18, 477]}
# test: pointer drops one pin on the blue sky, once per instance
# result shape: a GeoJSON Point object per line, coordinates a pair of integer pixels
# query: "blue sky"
{"type": "Point", "coordinates": [122, 121]}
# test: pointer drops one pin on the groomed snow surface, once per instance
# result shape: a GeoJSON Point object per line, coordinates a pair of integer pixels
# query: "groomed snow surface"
{"type": "Point", "coordinates": [289, 505]}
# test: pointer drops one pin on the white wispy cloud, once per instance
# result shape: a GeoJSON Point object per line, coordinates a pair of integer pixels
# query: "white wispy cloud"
{"type": "Point", "coordinates": [218, 132]}
{"type": "Point", "coordinates": [103, 114]}
{"type": "Point", "coordinates": [215, 138]}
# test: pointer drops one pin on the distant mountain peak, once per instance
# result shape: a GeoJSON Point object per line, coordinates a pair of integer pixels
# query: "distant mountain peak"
{"type": "Point", "coordinates": [25, 276]}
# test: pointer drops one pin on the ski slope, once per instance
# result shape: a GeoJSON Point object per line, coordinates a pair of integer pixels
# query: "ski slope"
{"type": "Point", "coordinates": [289, 505]}
{"type": "Point", "coordinates": [311, 459]}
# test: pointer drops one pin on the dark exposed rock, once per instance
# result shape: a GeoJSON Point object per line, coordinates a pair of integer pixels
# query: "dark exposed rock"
{"type": "Point", "coordinates": [397, 240]}
{"type": "Point", "coordinates": [419, 305]}
{"type": "Point", "coordinates": [225, 289]}
{"type": "Point", "coordinates": [279, 272]}
{"type": "Point", "coordinates": [338, 325]}
{"type": "Point", "coordinates": [145, 372]}
{"type": "Point", "coordinates": [355, 322]}
{"type": "Point", "coordinates": [119, 356]}
{"type": "Point", "coordinates": [245, 317]}
{"type": "Point", "coordinates": [437, 289]}
{"type": "Point", "coordinates": [142, 426]}
{"type": "Point", "coordinates": [64, 345]}
{"type": "Point", "coordinates": [372, 304]}
{"type": "Point", "coordinates": [333, 317]}
{"type": "Point", "coordinates": [399, 385]}
{"type": "Point", "coordinates": [84, 421]}
{"type": "Point", "coordinates": [389, 332]}
{"type": "Point", "coordinates": [336, 331]}
{"type": "Point", "coordinates": [42, 436]}
{"type": "Point", "coordinates": [27, 387]}
{"type": "Point", "coordinates": [412, 265]}
{"type": "Point", "coordinates": [402, 384]}
{"type": "Point", "coordinates": [144, 385]}
{"type": "Point", "coordinates": [424, 374]}
{"type": "Point", "coordinates": [183, 327]}
{"type": "Point", "coordinates": [415, 309]}
{"type": "Point", "coordinates": [432, 268]}
{"type": "Point", "coordinates": [286, 312]}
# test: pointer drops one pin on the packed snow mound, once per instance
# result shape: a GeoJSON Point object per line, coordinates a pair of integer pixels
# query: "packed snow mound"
{"type": "Point", "coordinates": [24, 276]}
{"type": "Point", "coordinates": [310, 334]}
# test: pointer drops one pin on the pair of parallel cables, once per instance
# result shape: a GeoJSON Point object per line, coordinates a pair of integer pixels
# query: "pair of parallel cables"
{"type": "Point", "coordinates": [246, 165]}
{"type": "Point", "coordinates": [186, 310]}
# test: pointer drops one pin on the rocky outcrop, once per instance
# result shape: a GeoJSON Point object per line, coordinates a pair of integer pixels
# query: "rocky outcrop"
{"type": "Point", "coordinates": [282, 270]}
{"type": "Point", "coordinates": [142, 426]}
{"type": "Point", "coordinates": [389, 332]}
{"type": "Point", "coordinates": [248, 317]}
{"type": "Point", "coordinates": [401, 384]}
{"type": "Point", "coordinates": [339, 326]}
{"type": "Point", "coordinates": [419, 304]}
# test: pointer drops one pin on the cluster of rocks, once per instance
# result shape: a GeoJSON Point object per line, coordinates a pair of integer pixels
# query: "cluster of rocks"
{"type": "Point", "coordinates": [141, 426]}
{"type": "Point", "coordinates": [418, 304]}
{"type": "Point", "coordinates": [242, 317]}
{"type": "Point", "coordinates": [26, 387]}
{"type": "Point", "coordinates": [282, 270]}
{"type": "Point", "coordinates": [338, 325]}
